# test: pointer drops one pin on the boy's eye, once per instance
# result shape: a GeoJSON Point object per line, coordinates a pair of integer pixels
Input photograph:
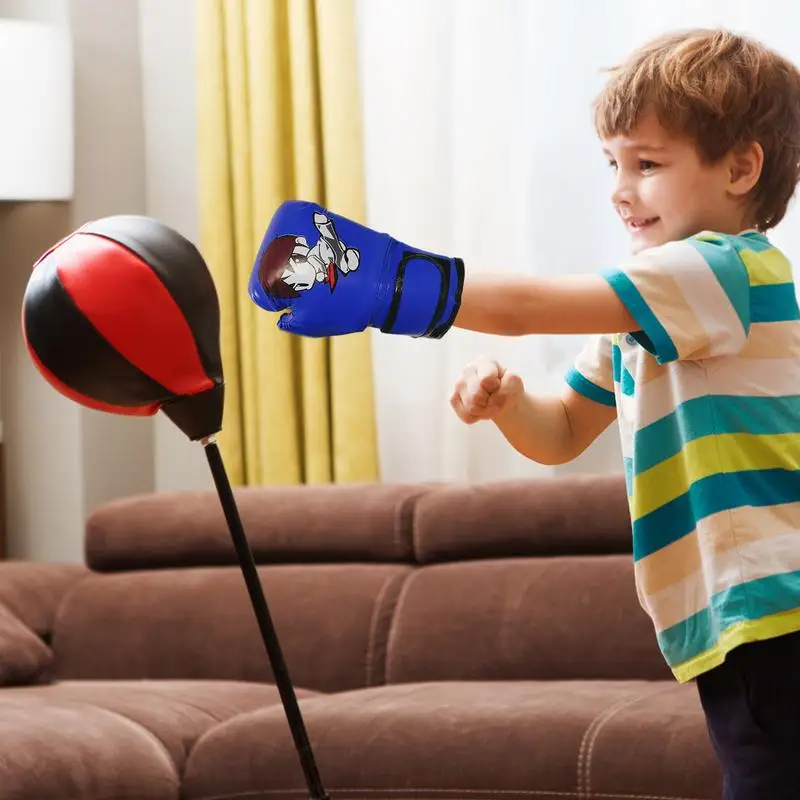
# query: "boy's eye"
{"type": "Point", "coordinates": [647, 166]}
{"type": "Point", "coordinates": [612, 164]}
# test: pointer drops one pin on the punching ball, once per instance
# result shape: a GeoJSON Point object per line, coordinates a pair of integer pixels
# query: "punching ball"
{"type": "Point", "coordinates": [122, 316]}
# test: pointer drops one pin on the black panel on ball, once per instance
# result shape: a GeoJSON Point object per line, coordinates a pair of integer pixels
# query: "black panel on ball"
{"type": "Point", "coordinates": [198, 415]}
{"type": "Point", "coordinates": [74, 352]}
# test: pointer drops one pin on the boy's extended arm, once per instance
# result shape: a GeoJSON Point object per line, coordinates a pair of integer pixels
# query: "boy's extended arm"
{"type": "Point", "coordinates": [554, 429]}
{"type": "Point", "coordinates": [516, 305]}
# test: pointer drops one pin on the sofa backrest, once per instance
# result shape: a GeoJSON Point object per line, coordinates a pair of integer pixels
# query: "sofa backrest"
{"type": "Point", "coordinates": [366, 585]}
{"type": "Point", "coordinates": [523, 580]}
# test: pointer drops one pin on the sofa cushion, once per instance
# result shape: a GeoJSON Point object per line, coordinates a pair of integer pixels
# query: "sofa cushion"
{"type": "Point", "coordinates": [572, 617]}
{"type": "Point", "coordinates": [176, 713]}
{"type": "Point", "coordinates": [576, 514]}
{"type": "Point", "coordinates": [24, 657]}
{"type": "Point", "coordinates": [59, 748]}
{"type": "Point", "coordinates": [332, 621]}
{"type": "Point", "coordinates": [513, 740]}
{"type": "Point", "coordinates": [327, 522]}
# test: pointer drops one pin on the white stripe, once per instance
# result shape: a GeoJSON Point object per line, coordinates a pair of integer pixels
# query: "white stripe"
{"type": "Point", "coordinates": [730, 555]}
{"type": "Point", "coordinates": [773, 340]}
{"type": "Point", "coordinates": [703, 293]}
{"type": "Point", "coordinates": [687, 380]}
{"type": "Point", "coordinates": [594, 362]}
{"type": "Point", "coordinates": [625, 425]}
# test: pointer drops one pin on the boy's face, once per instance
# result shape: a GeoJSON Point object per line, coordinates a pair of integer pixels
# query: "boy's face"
{"type": "Point", "coordinates": [663, 190]}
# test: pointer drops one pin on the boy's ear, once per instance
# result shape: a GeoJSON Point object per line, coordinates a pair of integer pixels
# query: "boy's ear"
{"type": "Point", "coordinates": [744, 167]}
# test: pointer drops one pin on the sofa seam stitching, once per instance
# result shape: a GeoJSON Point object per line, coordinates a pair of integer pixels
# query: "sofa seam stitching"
{"type": "Point", "coordinates": [401, 523]}
{"type": "Point", "coordinates": [413, 503]}
{"type": "Point", "coordinates": [376, 609]}
{"type": "Point", "coordinates": [60, 612]}
{"type": "Point", "coordinates": [401, 596]}
{"type": "Point", "coordinates": [457, 792]}
{"type": "Point", "coordinates": [590, 738]}
{"type": "Point", "coordinates": [582, 748]}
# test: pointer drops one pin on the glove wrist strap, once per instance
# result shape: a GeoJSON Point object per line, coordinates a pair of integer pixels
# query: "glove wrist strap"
{"type": "Point", "coordinates": [426, 294]}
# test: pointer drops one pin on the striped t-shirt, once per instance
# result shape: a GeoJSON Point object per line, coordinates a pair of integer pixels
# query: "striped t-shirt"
{"type": "Point", "coordinates": [708, 402]}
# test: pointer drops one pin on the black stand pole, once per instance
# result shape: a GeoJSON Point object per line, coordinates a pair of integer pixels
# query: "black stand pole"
{"type": "Point", "coordinates": [259, 602]}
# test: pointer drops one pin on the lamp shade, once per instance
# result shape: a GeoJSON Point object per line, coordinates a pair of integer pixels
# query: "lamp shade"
{"type": "Point", "coordinates": [37, 131]}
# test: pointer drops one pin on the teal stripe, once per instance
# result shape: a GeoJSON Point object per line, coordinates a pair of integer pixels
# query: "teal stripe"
{"type": "Point", "coordinates": [584, 386]}
{"type": "Point", "coordinates": [719, 492]}
{"type": "Point", "coordinates": [774, 302]}
{"type": "Point", "coordinates": [628, 462]}
{"type": "Point", "coordinates": [720, 414]}
{"type": "Point", "coordinates": [752, 240]}
{"type": "Point", "coordinates": [744, 602]}
{"type": "Point", "coordinates": [616, 362]}
{"type": "Point", "coordinates": [730, 272]}
{"type": "Point", "coordinates": [628, 385]}
{"type": "Point", "coordinates": [663, 347]}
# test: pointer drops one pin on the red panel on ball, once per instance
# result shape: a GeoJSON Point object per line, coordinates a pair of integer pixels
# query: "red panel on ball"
{"type": "Point", "coordinates": [118, 308]}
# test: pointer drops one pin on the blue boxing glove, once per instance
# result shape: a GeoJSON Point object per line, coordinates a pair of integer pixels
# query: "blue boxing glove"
{"type": "Point", "coordinates": [336, 276]}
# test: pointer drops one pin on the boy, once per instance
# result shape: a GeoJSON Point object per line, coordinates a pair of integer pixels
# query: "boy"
{"type": "Point", "coordinates": [695, 350]}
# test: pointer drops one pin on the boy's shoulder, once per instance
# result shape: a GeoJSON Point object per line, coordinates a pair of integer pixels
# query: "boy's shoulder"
{"type": "Point", "coordinates": [764, 262]}
{"type": "Point", "coordinates": [750, 253]}
{"type": "Point", "coordinates": [698, 297]}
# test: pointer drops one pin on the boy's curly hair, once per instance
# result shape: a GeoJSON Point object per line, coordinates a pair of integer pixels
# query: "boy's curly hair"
{"type": "Point", "coordinates": [721, 89]}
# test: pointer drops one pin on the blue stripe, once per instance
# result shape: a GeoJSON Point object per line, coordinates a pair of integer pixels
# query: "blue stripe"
{"type": "Point", "coordinates": [747, 601]}
{"type": "Point", "coordinates": [584, 386]}
{"type": "Point", "coordinates": [719, 492]}
{"type": "Point", "coordinates": [663, 347]}
{"type": "Point", "coordinates": [774, 302]}
{"type": "Point", "coordinates": [720, 414]}
{"type": "Point", "coordinates": [730, 272]}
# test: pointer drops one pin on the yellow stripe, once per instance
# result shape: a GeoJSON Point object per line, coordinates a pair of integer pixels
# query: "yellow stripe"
{"type": "Point", "coordinates": [766, 267]}
{"type": "Point", "coordinates": [709, 455]}
{"type": "Point", "coordinates": [748, 631]}
{"type": "Point", "coordinates": [708, 236]}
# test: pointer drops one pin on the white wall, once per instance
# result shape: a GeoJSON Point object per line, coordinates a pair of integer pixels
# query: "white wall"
{"type": "Point", "coordinates": [59, 458]}
{"type": "Point", "coordinates": [109, 179]}
{"type": "Point", "coordinates": [135, 153]}
{"type": "Point", "coordinates": [168, 83]}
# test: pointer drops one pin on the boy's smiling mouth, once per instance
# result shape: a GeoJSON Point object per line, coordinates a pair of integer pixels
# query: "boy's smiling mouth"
{"type": "Point", "coordinates": [639, 223]}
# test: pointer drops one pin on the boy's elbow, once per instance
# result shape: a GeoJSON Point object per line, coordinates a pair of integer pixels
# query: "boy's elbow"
{"type": "Point", "coordinates": [512, 325]}
{"type": "Point", "coordinates": [551, 457]}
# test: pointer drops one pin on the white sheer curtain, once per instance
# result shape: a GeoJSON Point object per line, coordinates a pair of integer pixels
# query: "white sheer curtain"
{"type": "Point", "coordinates": [479, 143]}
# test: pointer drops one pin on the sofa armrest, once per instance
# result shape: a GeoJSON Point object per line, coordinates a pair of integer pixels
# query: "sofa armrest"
{"type": "Point", "coordinates": [33, 591]}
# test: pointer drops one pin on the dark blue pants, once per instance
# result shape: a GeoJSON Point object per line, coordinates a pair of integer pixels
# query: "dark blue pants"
{"type": "Point", "coordinates": [752, 707]}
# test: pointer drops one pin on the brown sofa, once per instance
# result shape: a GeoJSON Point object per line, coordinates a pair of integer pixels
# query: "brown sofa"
{"type": "Point", "coordinates": [446, 641]}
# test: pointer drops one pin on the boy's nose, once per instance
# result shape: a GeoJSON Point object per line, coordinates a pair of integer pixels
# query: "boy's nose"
{"type": "Point", "coordinates": [621, 191]}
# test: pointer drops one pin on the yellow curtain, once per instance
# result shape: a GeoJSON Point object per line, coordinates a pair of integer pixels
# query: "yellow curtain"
{"type": "Point", "coordinates": [278, 119]}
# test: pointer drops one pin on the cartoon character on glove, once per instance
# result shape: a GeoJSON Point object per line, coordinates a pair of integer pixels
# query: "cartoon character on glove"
{"type": "Point", "coordinates": [289, 266]}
